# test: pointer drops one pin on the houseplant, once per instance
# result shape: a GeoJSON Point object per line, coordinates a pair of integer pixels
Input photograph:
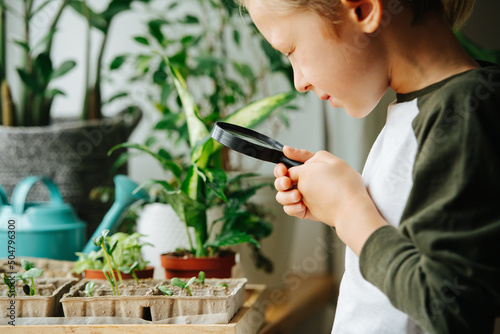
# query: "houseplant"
{"type": "Point", "coordinates": [121, 252]}
{"type": "Point", "coordinates": [197, 46]}
{"type": "Point", "coordinates": [72, 152]}
{"type": "Point", "coordinates": [195, 187]}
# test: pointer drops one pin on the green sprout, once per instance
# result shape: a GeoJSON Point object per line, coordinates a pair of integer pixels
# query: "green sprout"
{"type": "Point", "coordinates": [89, 288]}
{"type": "Point", "coordinates": [183, 285]}
{"type": "Point", "coordinates": [31, 273]}
{"type": "Point", "coordinates": [164, 289]}
{"type": "Point", "coordinates": [130, 270]}
{"type": "Point", "coordinates": [102, 241]}
{"type": "Point", "coordinates": [201, 278]}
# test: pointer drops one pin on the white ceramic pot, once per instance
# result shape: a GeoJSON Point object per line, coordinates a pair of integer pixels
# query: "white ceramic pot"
{"type": "Point", "coordinates": [162, 228]}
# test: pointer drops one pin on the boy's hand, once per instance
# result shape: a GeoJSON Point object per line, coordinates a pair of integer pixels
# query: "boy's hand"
{"type": "Point", "coordinates": [325, 188]}
{"type": "Point", "coordinates": [288, 195]}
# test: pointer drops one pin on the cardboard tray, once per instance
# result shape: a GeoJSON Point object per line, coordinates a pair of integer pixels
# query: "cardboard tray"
{"type": "Point", "coordinates": [249, 319]}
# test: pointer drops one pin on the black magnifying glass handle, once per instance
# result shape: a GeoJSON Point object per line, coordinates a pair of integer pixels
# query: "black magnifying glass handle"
{"type": "Point", "coordinates": [289, 162]}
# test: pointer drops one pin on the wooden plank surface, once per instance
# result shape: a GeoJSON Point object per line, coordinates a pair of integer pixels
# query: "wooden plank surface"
{"type": "Point", "coordinates": [302, 296]}
{"type": "Point", "coordinates": [248, 320]}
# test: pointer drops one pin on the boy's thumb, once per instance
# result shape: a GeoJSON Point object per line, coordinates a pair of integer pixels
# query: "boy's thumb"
{"type": "Point", "coordinates": [297, 154]}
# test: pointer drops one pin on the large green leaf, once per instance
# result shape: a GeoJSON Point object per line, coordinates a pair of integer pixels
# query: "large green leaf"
{"type": "Point", "coordinates": [232, 238]}
{"type": "Point", "coordinates": [477, 52]}
{"type": "Point", "coordinates": [164, 161]}
{"type": "Point", "coordinates": [197, 129]}
{"type": "Point", "coordinates": [95, 20]}
{"type": "Point", "coordinates": [254, 113]}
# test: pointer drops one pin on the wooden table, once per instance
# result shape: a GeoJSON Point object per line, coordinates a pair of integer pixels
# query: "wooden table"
{"type": "Point", "coordinates": [286, 308]}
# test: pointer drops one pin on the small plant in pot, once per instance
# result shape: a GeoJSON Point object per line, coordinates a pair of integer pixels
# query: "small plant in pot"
{"type": "Point", "coordinates": [118, 258]}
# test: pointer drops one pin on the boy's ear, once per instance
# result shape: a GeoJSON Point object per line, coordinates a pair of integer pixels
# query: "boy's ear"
{"type": "Point", "coordinates": [367, 14]}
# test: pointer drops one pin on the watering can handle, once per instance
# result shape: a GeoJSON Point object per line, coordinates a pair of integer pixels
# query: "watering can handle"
{"type": "Point", "coordinates": [3, 197]}
{"type": "Point", "coordinates": [23, 188]}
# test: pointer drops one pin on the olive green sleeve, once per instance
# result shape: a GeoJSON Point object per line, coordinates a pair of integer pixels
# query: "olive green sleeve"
{"type": "Point", "coordinates": [441, 266]}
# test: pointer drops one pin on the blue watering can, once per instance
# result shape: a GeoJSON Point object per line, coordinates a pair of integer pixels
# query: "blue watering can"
{"type": "Point", "coordinates": [51, 229]}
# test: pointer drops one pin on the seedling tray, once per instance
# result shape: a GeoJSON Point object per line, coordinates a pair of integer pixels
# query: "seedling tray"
{"type": "Point", "coordinates": [45, 304]}
{"type": "Point", "coordinates": [209, 303]}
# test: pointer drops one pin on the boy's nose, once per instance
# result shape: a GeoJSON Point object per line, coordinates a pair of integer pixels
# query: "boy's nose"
{"type": "Point", "coordinates": [301, 84]}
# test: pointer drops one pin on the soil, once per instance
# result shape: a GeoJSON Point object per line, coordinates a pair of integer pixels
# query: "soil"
{"type": "Point", "coordinates": [150, 288]}
{"type": "Point", "coordinates": [51, 268]}
{"type": "Point", "coordinates": [197, 290]}
{"type": "Point", "coordinates": [41, 289]}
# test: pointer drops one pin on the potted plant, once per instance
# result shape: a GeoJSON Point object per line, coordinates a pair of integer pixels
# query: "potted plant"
{"type": "Point", "coordinates": [195, 186]}
{"type": "Point", "coordinates": [25, 294]}
{"type": "Point", "coordinates": [119, 257]}
{"type": "Point", "coordinates": [73, 152]}
{"type": "Point", "coordinates": [192, 47]}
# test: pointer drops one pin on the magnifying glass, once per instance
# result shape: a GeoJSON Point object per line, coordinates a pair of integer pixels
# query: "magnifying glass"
{"type": "Point", "coordinates": [251, 143]}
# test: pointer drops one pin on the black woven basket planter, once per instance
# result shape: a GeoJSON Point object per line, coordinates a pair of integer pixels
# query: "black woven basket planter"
{"type": "Point", "coordinates": [71, 152]}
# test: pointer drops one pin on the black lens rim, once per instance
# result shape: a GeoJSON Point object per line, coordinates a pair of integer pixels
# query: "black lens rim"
{"type": "Point", "coordinates": [221, 133]}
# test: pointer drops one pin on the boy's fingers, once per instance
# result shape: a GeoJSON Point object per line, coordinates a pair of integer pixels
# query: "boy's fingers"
{"type": "Point", "coordinates": [288, 197]}
{"type": "Point", "coordinates": [282, 183]}
{"type": "Point", "coordinates": [298, 210]}
{"type": "Point", "coordinates": [280, 170]}
{"type": "Point", "coordinates": [297, 154]}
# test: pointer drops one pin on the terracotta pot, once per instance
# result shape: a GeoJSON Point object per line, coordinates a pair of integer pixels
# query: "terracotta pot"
{"type": "Point", "coordinates": [214, 267]}
{"type": "Point", "coordinates": [98, 274]}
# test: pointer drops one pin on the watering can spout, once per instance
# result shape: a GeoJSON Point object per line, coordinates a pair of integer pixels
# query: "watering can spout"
{"type": "Point", "coordinates": [125, 195]}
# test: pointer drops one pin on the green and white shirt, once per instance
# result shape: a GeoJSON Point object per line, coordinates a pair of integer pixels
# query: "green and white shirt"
{"type": "Point", "coordinates": [434, 174]}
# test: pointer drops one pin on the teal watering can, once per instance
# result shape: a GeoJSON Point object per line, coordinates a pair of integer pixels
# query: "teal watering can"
{"type": "Point", "coordinates": [51, 229]}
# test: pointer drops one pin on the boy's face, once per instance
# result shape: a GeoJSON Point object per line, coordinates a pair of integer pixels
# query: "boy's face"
{"type": "Point", "coordinates": [345, 67]}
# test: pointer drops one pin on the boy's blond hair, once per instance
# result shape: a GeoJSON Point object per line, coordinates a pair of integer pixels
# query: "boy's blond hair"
{"type": "Point", "coordinates": [455, 12]}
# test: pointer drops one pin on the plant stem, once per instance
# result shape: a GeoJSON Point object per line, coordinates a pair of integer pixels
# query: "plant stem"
{"type": "Point", "coordinates": [7, 106]}
{"type": "Point", "coordinates": [135, 276]}
{"type": "Point", "coordinates": [86, 86]}
{"type": "Point", "coordinates": [95, 106]}
{"type": "Point", "coordinates": [2, 42]}
{"type": "Point", "coordinates": [54, 24]}
{"type": "Point", "coordinates": [110, 267]}
{"type": "Point", "coordinates": [26, 94]}
{"type": "Point", "coordinates": [33, 286]}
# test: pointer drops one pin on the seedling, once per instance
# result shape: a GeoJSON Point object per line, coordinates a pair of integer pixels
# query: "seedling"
{"type": "Point", "coordinates": [111, 282]}
{"type": "Point", "coordinates": [31, 273]}
{"type": "Point", "coordinates": [130, 270]}
{"type": "Point", "coordinates": [89, 288]}
{"type": "Point", "coordinates": [10, 285]}
{"type": "Point", "coordinates": [183, 285]}
{"type": "Point", "coordinates": [165, 290]}
{"type": "Point", "coordinates": [102, 241]}
{"type": "Point", "coordinates": [201, 278]}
